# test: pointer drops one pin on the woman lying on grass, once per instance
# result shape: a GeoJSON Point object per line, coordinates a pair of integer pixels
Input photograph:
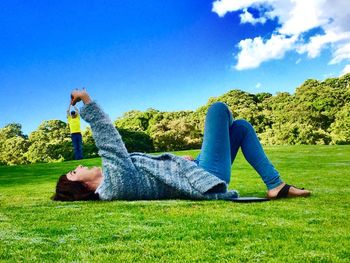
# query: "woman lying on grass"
{"type": "Point", "coordinates": [138, 176]}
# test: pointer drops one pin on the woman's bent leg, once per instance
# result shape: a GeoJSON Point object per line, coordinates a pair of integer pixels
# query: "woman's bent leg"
{"type": "Point", "coordinates": [222, 138]}
{"type": "Point", "coordinates": [215, 155]}
{"type": "Point", "coordinates": [243, 134]}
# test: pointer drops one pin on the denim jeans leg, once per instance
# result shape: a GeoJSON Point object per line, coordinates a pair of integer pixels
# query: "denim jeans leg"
{"type": "Point", "coordinates": [77, 146]}
{"type": "Point", "coordinates": [74, 146]}
{"type": "Point", "coordinates": [243, 135]}
{"type": "Point", "coordinates": [222, 138]}
{"type": "Point", "coordinates": [80, 146]}
{"type": "Point", "coordinates": [215, 155]}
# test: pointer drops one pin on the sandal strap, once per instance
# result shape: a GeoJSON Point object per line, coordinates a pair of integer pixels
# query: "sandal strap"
{"type": "Point", "coordinates": [284, 191]}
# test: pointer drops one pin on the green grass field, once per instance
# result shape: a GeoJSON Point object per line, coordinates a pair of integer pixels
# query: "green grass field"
{"type": "Point", "coordinates": [35, 229]}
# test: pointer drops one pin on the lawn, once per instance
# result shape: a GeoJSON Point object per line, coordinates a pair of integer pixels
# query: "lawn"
{"type": "Point", "coordinates": [35, 229]}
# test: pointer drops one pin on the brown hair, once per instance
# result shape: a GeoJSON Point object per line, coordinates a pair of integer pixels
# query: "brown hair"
{"type": "Point", "coordinates": [67, 190]}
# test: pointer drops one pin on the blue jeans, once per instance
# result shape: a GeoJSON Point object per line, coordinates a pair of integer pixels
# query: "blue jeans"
{"type": "Point", "coordinates": [77, 141]}
{"type": "Point", "coordinates": [222, 138]}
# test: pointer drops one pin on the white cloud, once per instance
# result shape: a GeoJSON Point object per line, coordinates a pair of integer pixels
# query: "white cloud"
{"type": "Point", "coordinates": [318, 42]}
{"type": "Point", "coordinates": [255, 51]}
{"type": "Point", "coordinates": [329, 75]}
{"type": "Point", "coordinates": [258, 85]}
{"type": "Point", "coordinates": [247, 17]}
{"type": "Point", "coordinates": [298, 61]}
{"type": "Point", "coordinates": [342, 53]}
{"type": "Point", "coordinates": [295, 17]}
{"type": "Point", "coordinates": [345, 70]}
{"type": "Point", "coordinates": [221, 7]}
{"type": "Point", "coordinates": [303, 16]}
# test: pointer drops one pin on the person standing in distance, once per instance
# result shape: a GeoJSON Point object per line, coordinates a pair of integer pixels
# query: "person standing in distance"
{"type": "Point", "coordinates": [74, 126]}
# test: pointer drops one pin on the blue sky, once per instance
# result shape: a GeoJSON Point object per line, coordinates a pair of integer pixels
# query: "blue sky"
{"type": "Point", "coordinates": [167, 55]}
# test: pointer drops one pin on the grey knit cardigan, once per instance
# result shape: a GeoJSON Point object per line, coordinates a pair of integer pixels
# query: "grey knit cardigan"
{"type": "Point", "coordinates": [139, 176]}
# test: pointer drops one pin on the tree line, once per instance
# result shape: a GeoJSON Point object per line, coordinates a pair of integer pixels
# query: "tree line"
{"type": "Point", "coordinates": [317, 113]}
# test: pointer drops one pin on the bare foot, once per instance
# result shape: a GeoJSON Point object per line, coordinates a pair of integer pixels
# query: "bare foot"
{"type": "Point", "coordinates": [293, 192]}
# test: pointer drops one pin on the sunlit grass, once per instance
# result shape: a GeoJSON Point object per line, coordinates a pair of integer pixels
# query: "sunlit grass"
{"type": "Point", "coordinates": [315, 229]}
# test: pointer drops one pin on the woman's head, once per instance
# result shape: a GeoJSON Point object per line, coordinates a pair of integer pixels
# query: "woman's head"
{"type": "Point", "coordinates": [79, 184]}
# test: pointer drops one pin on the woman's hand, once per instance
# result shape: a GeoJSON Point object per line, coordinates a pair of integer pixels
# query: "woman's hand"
{"type": "Point", "coordinates": [79, 95]}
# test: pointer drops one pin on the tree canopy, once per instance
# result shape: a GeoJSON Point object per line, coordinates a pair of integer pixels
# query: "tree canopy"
{"type": "Point", "coordinates": [317, 113]}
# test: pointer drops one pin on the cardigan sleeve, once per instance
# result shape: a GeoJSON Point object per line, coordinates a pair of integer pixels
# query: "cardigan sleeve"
{"type": "Point", "coordinates": [106, 136]}
{"type": "Point", "coordinates": [118, 167]}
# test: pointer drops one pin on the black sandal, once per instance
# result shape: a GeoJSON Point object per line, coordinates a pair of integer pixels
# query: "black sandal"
{"type": "Point", "coordinates": [285, 190]}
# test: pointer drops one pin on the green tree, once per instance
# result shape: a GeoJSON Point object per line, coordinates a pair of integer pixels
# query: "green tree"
{"type": "Point", "coordinates": [50, 142]}
{"type": "Point", "coordinates": [11, 130]}
{"type": "Point", "coordinates": [340, 129]}
{"type": "Point", "coordinates": [317, 113]}
{"type": "Point", "coordinates": [13, 144]}
{"type": "Point", "coordinates": [14, 151]}
{"type": "Point", "coordinates": [175, 133]}
{"type": "Point", "coordinates": [89, 146]}
{"type": "Point", "coordinates": [136, 141]}
{"type": "Point", "coordinates": [136, 120]}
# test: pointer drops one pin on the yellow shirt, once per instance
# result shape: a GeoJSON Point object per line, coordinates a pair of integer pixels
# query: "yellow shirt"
{"type": "Point", "coordinates": [74, 124]}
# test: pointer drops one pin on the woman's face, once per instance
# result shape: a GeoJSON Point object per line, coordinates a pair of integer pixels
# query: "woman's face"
{"type": "Point", "coordinates": [84, 174]}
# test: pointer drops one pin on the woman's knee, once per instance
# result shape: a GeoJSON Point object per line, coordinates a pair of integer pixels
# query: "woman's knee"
{"type": "Point", "coordinates": [243, 123]}
{"type": "Point", "coordinates": [218, 107]}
